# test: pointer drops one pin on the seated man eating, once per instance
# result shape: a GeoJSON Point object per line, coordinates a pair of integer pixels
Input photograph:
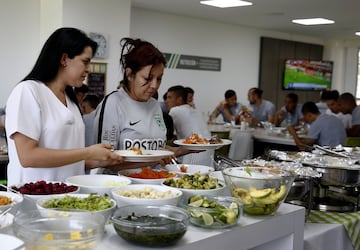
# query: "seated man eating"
{"type": "Point", "coordinates": [325, 130]}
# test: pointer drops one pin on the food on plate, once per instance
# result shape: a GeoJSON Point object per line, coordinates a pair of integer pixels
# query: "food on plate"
{"type": "Point", "coordinates": [4, 200]}
{"type": "Point", "coordinates": [197, 139]}
{"type": "Point", "coordinates": [147, 193]}
{"type": "Point", "coordinates": [183, 168]}
{"type": "Point", "coordinates": [92, 202]}
{"type": "Point", "coordinates": [148, 173]}
{"type": "Point", "coordinates": [43, 188]}
{"type": "Point", "coordinates": [260, 201]}
{"type": "Point", "coordinates": [210, 211]}
{"type": "Point", "coordinates": [215, 140]}
{"type": "Point", "coordinates": [195, 181]}
{"type": "Point", "coordinates": [136, 150]}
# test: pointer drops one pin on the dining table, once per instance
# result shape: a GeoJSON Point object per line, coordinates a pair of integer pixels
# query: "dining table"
{"type": "Point", "coordinates": [251, 142]}
{"type": "Point", "coordinates": [265, 139]}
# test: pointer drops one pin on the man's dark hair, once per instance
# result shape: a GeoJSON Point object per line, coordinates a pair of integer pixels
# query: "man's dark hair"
{"type": "Point", "coordinates": [258, 92]}
{"type": "Point", "coordinates": [310, 107]}
{"type": "Point", "coordinates": [229, 93]}
{"type": "Point", "coordinates": [293, 97]}
{"type": "Point", "coordinates": [333, 95]}
{"type": "Point", "coordinates": [348, 97]}
{"type": "Point", "coordinates": [93, 100]}
{"type": "Point", "coordinates": [164, 96]}
{"type": "Point", "coordinates": [179, 90]}
{"type": "Point", "coordinates": [189, 90]}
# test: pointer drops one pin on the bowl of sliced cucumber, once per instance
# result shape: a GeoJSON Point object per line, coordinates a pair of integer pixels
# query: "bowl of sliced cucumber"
{"type": "Point", "coordinates": [261, 189]}
{"type": "Point", "coordinates": [213, 211]}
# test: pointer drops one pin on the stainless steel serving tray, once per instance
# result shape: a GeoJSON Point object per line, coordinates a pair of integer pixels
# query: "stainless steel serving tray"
{"type": "Point", "coordinates": [338, 176]}
{"type": "Point", "coordinates": [334, 175]}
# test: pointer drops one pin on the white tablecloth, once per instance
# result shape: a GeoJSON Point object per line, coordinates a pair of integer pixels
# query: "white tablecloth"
{"type": "Point", "coordinates": [318, 236]}
{"type": "Point", "coordinates": [242, 144]}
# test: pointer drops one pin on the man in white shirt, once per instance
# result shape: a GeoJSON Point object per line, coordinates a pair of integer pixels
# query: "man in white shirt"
{"type": "Point", "coordinates": [331, 98]}
{"type": "Point", "coordinates": [187, 121]}
{"type": "Point", "coordinates": [347, 105]}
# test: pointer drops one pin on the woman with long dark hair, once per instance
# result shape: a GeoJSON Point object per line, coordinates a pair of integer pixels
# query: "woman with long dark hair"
{"type": "Point", "coordinates": [44, 126]}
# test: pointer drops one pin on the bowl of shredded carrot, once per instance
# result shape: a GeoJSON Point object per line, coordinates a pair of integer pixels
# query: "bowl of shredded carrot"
{"type": "Point", "coordinates": [147, 175]}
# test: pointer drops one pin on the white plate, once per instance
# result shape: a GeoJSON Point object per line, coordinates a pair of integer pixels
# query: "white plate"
{"type": "Point", "coordinates": [147, 156]}
{"type": "Point", "coordinates": [190, 169]}
{"type": "Point", "coordinates": [9, 242]}
{"type": "Point", "coordinates": [202, 146]}
{"type": "Point", "coordinates": [6, 222]}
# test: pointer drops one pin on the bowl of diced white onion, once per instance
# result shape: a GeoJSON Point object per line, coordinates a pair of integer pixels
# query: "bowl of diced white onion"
{"type": "Point", "coordinates": [145, 194]}
{"type": "Point", "coordinates": [98, 183]}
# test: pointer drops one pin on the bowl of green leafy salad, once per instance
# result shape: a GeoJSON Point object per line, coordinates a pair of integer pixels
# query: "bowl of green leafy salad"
{"type": "Point", "coordinates": [155, 226]}
{"type": "Point", "coordinates": [77, 203]}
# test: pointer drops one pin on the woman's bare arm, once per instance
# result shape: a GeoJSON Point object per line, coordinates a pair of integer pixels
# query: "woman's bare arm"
{"type": "Point", "coordinates": [32, 155]}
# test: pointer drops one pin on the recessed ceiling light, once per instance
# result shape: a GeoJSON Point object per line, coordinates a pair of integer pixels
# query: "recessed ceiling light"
{"type": "Point", "coordinates": [226, 3]}
{"type": "Point", "coordinates": [313, 21]}
{"type": "Point", "coordinates": [357, 33]}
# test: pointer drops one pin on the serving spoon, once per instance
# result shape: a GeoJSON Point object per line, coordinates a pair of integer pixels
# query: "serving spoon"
{"type": "Point", "coordinates": [5, 211]}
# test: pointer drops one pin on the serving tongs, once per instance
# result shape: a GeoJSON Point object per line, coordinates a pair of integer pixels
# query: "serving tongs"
{"type": "Point", "coordinates": [331, 152]}
{"type": "Point", "coordinates": [219, 159]}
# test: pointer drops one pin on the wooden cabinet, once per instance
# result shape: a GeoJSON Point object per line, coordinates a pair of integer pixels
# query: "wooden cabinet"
{"type": "Point", "coordinates": [273, 53]}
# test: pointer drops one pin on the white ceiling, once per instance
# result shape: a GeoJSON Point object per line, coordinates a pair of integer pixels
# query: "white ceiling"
{"type": "Point", "coordinates": [273, 15]}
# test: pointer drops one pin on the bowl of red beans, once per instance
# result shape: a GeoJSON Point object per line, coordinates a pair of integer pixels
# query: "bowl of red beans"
{"type": "Point", "coordinates": [32, 191]}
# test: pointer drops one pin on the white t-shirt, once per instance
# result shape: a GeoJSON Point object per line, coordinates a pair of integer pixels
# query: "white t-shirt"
{"type": "Point", "coordinates": [345, 118]}
{"type": "Point", "coordinates": [33, 110]}
{"type": "Point", "coordinates": [128, 123]}
{"type": "Point", "coordinates": [188, 120]}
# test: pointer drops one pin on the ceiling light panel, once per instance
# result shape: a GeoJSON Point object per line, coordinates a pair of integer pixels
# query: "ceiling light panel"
{"type": "Point", "coordinates": [226, 3]}
{"type": "Point", "coordinates": [313, 21]}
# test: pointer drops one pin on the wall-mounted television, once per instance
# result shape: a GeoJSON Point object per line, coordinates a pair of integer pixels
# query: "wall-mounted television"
{"type": "Point", "coordinates": [307, 74]}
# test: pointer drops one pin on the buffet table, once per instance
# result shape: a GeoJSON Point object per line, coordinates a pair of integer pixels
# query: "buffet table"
{"type": "Point", "coordinates": [284, 230]}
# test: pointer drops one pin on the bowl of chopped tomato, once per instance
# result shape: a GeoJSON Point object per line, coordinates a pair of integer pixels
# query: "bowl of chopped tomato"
{"type": "Point", "coordinates": [147, 175]}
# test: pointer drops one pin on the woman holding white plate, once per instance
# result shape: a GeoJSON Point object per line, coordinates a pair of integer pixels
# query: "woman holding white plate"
{"type": "Point", "coordinates": [130, 117]}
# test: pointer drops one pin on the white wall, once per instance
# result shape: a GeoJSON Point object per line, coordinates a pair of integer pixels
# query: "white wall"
{"type": "Point", "coordinates": [111, 17]}
{"type": "Point", "coordinates": [19, 43]}
{"type": "Point", "coordinates": [23, 33]}
{"type": "Point", "coordinates": [238, 47]}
